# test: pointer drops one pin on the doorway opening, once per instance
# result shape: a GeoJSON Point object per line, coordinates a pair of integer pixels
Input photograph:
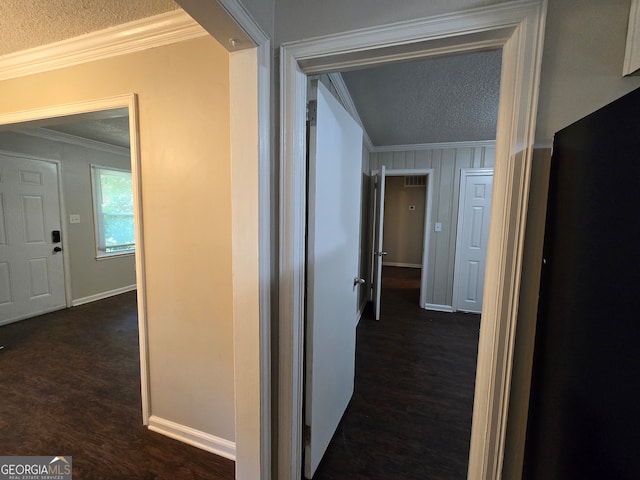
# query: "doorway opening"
{"type": "Point", "coordinates": [515, 29]}
{"type": "Point", "coordinates": [109, 140]}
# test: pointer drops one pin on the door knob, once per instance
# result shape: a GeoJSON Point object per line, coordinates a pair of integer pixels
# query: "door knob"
{"type": "Point", "coordinates": [57, 249]}
{"type": "Point", "coordinates": [381, 254]}
{"type": "Point", "coordinates": [358, 281]}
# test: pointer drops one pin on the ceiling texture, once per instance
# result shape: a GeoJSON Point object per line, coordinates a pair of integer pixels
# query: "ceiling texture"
{"type": "Point", "coordinates": [442, 99]}
{"type": "Point", "coordinates": [32, 23]}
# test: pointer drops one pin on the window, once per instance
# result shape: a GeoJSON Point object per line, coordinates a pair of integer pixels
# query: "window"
{"type": "Point", "coordinates": [113, 211]}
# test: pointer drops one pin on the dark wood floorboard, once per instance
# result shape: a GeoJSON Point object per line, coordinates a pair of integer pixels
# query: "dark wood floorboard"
{"type": "Point", "coordinates": [410, 416]}
{"type": "Point", "coordinates": [71, 386]}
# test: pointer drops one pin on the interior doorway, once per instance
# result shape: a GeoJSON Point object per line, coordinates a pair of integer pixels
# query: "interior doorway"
{"type": "Point", "coordinates": [516, 105]}
{"type": "Point", "coordinates": [401, 208]}
{"type": "Point", "coordinates": [97, 110]}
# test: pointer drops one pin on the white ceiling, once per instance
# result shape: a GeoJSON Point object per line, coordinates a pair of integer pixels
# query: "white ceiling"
{"type": "Point", "coordinates": [31, 23]}
{"type": "Point", "coordinates": [112, 130]}
{"type": "Point", "coordinates": [444, 99]}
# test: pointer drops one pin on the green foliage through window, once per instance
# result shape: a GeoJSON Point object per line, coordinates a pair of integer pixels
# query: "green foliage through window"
{"type": "Point", "coordinates": [113, 205]}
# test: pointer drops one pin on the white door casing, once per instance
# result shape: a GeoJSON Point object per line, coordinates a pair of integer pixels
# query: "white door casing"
{"type": "Point", "coordinates": [335, 154]}
{"type": "Point", "coordinates": [378, 252]}
{"type": "Point", "coordinates": [517, 28]}
{"type": "Point", "coordinates": [31, 272]}
{"type": "Point", "coordinates": [426, 234]}
{"type": "Point", "coordinates": [474, 214]}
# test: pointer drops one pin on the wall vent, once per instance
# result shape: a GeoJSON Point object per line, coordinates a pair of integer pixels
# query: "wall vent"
{"type": "Point", "coordinates": [415, 180]}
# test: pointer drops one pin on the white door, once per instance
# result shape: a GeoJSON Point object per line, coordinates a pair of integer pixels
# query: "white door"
{"type": "Point", "coordinates": [474, 213]}
{"type": "Point", "coordinates": [31, 270]}
{"type": "Point", "coordinates": [378, 251]}
{"type": "Point", "coordinates": [335, 176]}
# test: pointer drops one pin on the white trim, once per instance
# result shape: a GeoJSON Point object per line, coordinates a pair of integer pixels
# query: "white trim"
{"type": "Point", "coordinates": [434, 146]}
{"type": "Point", "coordinates": [426, 233]}
{"type": "Point", "coordinates": [130, 102]}
{"type": "Point", "coordinates": [347, 102]}
{"type": "Point", "coordinates": [56, 136]}
{"type": "Point", "coordinates": [252, 371]}
{"type": "Point", "coordinates": [438, 308]}
{"type": "Point", "coordinates": [191, 436]}
{"type": "Point", "coordinates": [516, 27]}
{"type": "Point", "coordinates": [100, 296]}
{"type": "Point", "coordinates": [400, 264]}
{"type": "Point", "coordinates": [163, 29]}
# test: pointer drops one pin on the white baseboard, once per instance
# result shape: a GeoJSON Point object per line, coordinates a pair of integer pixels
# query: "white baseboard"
{"type": "Point", "coordinates": [100, 296]}
{"type": "Point", "coordinates": [438, 308]}
{"type": "Point", "coordinates": [193, 437]}
{"type": "Point", "coordinates": [400, 264]}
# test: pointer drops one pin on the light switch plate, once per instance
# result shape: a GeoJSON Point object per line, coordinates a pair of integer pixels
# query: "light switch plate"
{"type": "Point", "coordinates": [74, 218]}
{"type": "Point", "coordinates": [438, 227]}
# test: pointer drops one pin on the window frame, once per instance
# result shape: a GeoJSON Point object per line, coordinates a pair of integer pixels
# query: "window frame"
{"type": "Point", "coordinates": [98, 214]}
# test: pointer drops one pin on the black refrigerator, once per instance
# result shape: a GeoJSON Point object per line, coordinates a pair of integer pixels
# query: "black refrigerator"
{"type": "Point", "coordinates": [584, 413]}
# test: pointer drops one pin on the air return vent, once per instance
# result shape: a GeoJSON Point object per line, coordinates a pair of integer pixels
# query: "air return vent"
{"type": "Point", "coordinates": [415, 180]}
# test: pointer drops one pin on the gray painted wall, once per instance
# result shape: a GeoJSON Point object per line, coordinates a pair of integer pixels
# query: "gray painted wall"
{"type": "Point", "coordinates": [446, 162]}
{"type": "Point", "coordinates": [88, 276]}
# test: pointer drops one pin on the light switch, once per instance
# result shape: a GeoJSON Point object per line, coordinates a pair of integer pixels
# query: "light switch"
{"type": "Point", "coordinates": [438, 227]}
{"type": "Point", "coordinates": [74, 218]}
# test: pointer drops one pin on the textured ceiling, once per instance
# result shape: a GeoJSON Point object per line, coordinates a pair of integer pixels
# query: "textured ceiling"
{"type": "Point", "coordinates": [445, 99]}
{"type": "Point", "coordinates": [31, 23]}
{"type": "Point", "coordinates": [114, 130]}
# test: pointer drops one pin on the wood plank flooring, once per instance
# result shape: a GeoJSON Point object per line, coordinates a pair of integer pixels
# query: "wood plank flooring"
{"type": "Point", "coordinates": [410, 416]}
{"type": "Point", "coordinates": [71, 386]}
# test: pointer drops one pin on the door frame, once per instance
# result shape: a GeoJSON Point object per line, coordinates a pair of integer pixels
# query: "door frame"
{"type": "Point", "coordinates": [464, 173]}
{"type": "Point", "coordinates": [518, 29]}
{"type": "Point", "coordinates": [63, 225]}
{"type": "Point", "coordinates": [128, 101]}
{"type": "Point", "coordinates": [426, 234]}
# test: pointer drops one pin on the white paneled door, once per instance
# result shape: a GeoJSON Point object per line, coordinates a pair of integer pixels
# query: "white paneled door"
{"type": "Point", "coordinates": [474, 214]}
{"type": "Point", "coordinates": [31, 266]}
{"type": "Point", "coordinates": [335, 176]}
{"type": "Point", "coordinates": [378, 249]}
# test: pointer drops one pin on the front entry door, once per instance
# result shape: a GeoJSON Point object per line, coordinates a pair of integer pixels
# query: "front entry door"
{"type": "Point", "coordinates": [31, 266]}
{"type": "Point", "coordinates": [473, 235]}
{"type": "Point", "coordinates": [335, 177]}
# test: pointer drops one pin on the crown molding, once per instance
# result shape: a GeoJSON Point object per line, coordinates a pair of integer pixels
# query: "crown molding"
{"type": "Point", "coordinates": [163, 29]}
{"type": "Point", "coordinates": [434, 146]}
{"type": "Point", "coordinates": [55, 136]}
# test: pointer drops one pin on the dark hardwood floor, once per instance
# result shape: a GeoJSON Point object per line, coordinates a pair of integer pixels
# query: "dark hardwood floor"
{"type": "Point", "coordinates": [71, 386]}
{"type": "Point", "coordinates": [410, 416]}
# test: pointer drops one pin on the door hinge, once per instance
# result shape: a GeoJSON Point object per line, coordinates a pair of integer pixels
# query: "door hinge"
{"type": "Point", "coordinates": [312, 112]}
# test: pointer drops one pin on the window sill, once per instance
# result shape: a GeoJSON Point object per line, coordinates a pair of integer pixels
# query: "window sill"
{"type": "Point", "coordinates": [109, 256]}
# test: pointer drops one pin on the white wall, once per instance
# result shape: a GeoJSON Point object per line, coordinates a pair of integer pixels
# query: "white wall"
{"type": "Point", "coordinates": [89, 277]}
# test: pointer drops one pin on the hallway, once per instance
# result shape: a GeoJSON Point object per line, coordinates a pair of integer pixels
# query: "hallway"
{"type": "Point", "coordinates": [410, 416]}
